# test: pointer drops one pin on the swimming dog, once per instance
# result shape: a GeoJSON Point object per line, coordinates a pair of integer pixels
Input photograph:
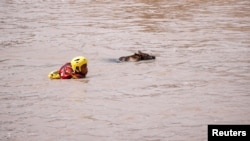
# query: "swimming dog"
{"type": "Point", "coordinates": [137, 57]}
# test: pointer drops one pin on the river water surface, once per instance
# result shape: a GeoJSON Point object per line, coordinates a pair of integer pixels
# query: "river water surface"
{"type": "Point", "coordinates": [201, 74]}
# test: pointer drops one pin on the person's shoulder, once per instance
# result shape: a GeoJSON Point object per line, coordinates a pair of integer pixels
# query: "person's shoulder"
{"type": "Point", "coordinates": [68, 64]}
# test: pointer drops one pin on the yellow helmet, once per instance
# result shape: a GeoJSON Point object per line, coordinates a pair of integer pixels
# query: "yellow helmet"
{"type": "Point", "coordinates": [77, 63]}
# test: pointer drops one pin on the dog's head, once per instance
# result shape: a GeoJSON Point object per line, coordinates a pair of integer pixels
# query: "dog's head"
{"type": "Point", "coordinates": [144, 56]}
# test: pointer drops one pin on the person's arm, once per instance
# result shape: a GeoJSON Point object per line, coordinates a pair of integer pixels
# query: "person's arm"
{"type": "Point", "coordinates": [66, 72]}
{"type": "Point", "coordinates": [75, 76]}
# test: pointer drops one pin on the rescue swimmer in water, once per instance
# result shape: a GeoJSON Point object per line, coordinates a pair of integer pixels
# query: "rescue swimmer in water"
{"type": "Point", "coordinates": [75, 69]}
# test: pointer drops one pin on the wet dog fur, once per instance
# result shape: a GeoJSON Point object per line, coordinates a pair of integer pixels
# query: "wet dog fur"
{"type": "Point", "coordinates": [137, 57]}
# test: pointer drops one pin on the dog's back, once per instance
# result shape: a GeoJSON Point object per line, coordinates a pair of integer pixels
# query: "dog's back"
{"type": "Point", "coordinates": [132, 58]}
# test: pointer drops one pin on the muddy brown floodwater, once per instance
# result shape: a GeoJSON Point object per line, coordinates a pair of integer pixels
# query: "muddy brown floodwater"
{"type": "Point", "coordinates": [201, 74]}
